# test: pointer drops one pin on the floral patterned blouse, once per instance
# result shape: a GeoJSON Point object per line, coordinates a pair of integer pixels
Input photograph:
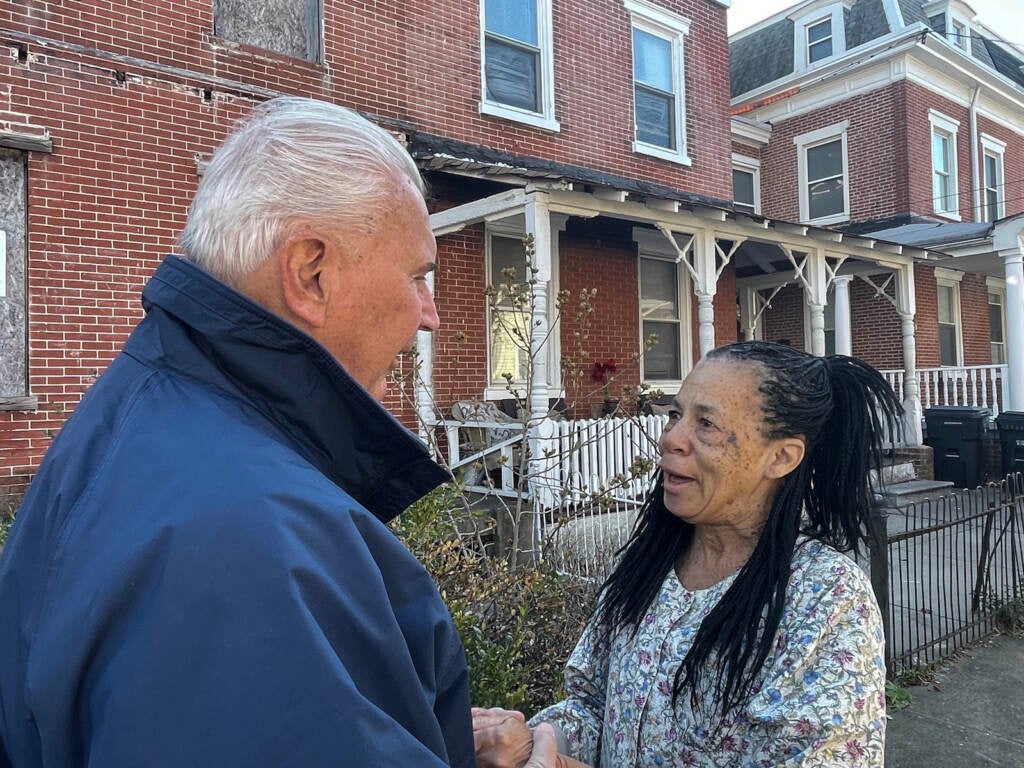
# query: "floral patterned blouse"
{"type": "Point", "coordinates": [819, 701]}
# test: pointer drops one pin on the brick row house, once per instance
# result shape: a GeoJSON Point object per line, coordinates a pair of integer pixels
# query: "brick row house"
{"type": "Point", "coordinates": [901, 120]}
{"type": "Point", "coordinates": [619, 168]}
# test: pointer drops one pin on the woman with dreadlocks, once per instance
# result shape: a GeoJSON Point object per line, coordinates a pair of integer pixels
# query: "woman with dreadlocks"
{"type": "Point", "coordinates": [732, 632]}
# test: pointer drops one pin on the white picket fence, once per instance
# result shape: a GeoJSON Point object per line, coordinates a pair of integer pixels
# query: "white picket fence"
{"type": "Point", "coordinates": [978, 386]}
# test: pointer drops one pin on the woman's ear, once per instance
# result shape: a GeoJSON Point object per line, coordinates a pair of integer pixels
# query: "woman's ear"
{"type": "Point", "coordinates": [787, 453]}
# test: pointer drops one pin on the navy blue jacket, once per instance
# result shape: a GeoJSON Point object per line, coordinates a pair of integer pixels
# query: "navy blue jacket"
{"type": "Point", "coordinates": [200, 574]}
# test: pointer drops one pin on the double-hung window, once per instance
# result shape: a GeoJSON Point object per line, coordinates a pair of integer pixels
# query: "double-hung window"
{"type": "Point", "coordinates": [746, 184]}
{"type": "Point", "coordinates": [659, 92]}
{"type": "Point", "coordinates": [823, 169]}
{"type": "Point", "coordinates": [945, 198]}
{"type": "Point", "coordinates": [947, 284]}
{"type": "Point", "coordinates": [819, 40]}
{"type": "Point", "coordinates": [997, 324]}
{"type": "Point", "coordinates": [665, 335]}
{"type": "Point", "coordinates": [509, 321]}
{"type": "Point", "coordinates": [992, 183]}
{"type": "Point", "coordinates": [517, 66]}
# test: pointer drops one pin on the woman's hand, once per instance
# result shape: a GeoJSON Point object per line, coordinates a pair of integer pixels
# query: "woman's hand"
{"type": "Point", "coordinates": [503, 740]}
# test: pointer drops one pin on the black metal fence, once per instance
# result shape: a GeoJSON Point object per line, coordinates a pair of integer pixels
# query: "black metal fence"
{"type": "Point", "coordinates": [942, 569]}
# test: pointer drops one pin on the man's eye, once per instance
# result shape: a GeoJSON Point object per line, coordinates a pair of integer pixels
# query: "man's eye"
{"type": "Point", "coordinates": [706, 423]}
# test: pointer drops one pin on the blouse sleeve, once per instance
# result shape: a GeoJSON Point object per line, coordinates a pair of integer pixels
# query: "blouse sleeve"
{"type": "Point", "coordinates": [579, 716]}
{"type": "Point", "coordinates": [823, 698]}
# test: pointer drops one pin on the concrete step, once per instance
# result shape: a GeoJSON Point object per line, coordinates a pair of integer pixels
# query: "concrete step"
{"type": "Point", "coordinates": [895, 473]}
{"type": "Point", "coordinates": [911, 491]}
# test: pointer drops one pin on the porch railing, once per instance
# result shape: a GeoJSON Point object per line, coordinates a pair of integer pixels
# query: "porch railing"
{"type": "Point", "coordinates": [583, 459]}
{"type": "Point", "coordinates": [979, 386]}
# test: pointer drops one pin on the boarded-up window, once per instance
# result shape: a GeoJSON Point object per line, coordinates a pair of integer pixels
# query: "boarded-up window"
{"type": "Point", "coordinates": [291, 27]}
{"type": "Point", "coordinates": [13, 364]}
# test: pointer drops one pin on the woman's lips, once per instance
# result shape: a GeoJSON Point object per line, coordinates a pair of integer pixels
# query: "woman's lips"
{"type": "Point", "coordinates": [673, 480]}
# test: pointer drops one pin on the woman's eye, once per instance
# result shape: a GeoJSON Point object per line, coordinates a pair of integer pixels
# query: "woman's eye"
{"type": "Point", "coordinates": [673, 415]}
{"type": "Point", "coordinates": [706, 423]}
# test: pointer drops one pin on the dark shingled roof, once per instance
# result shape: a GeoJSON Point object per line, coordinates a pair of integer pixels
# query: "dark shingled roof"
{"type": "Point", "coordinates": [767, 54]}
{"type": "Point", "coordinates": [1005, 63]}
{"type": "Point", "coordinates": [911, 10]}
{"type": "Point", "coordinates": [761, 57]}
{"type": "Point", "coordinates": [426, 147]}
{"type": "Point", "coordinates": [865, 21]}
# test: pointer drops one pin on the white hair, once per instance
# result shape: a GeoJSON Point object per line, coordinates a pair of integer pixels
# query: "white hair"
{"type": "Point", "coordinates": [292, 161]}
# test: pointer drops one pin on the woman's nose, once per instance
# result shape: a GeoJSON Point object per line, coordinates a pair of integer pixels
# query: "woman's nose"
{"type": "Point", "coordinates": [675, 437]}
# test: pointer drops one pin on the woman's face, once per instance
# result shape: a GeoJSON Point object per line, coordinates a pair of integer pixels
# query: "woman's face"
{"type": "Point", "coordinates": [719, 468]}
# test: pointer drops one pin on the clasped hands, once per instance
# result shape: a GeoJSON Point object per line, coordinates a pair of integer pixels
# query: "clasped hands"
{"type": "Point", "coordinates": [503, 740]}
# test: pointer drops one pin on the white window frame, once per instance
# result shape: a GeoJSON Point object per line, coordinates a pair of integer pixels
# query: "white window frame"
{"type": "Point", "coordinates": [669, 26]}
{"type": "Point", "coordinates": [994, 148]}
{"type": "Point", "coordinates": [997, 286]}
{"type": "Point", "coordinates": [651, 244]}
{"type": "Point", "coordinates": [545, 118]}
{"type": "Point", "coordinates": [813, 139]}
{"type": "Point", "coordinates": [514, 230]}
{"type": "Point", "coordinates": [752, 166]}
{"type": "Point", "coordinates": [944, 125]}
{"type": "Point", "coordinates": [801, 23]}
{"type": "Point", "coordinates": [950, 278]}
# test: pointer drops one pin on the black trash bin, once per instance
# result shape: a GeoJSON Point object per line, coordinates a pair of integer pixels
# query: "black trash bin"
{"type": "Point", "coordinates": [1011, 438]}
{"type": "Point", "coordinates": [956, 435]}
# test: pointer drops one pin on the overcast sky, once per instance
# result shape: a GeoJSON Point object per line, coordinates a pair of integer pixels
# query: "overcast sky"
{"type": "Point", "coordinates": [1005, 17]}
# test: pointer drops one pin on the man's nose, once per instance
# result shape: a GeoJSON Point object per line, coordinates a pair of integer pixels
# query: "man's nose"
{"type": "Point", "coordinates": [429, 320]}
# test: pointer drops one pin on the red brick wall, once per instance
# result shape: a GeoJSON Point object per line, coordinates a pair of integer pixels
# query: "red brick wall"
{"type": "Point", "coordinates": [108, 203]}
{"type": "Point", "coordinates": [888, 153]}
{"type": "Point", "coordinates": [593, 93]}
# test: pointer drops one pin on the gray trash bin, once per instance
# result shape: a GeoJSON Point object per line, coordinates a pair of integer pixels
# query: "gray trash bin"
{"type": "Point", "coordinates": [955, 433]}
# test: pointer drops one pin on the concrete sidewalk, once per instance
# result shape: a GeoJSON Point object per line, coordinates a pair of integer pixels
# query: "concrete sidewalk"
{"type": "Point", "coordinates": [971, 714]}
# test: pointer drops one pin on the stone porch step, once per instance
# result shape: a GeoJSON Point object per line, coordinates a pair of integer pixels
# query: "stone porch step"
{"type": "Point", "coordinates": [911, 491]}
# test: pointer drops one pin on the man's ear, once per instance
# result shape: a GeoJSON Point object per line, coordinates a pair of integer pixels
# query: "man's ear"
{"type": "Point", "coordinates": [787, 453]}
{"type": "Point", "coordinates": [301, 263]}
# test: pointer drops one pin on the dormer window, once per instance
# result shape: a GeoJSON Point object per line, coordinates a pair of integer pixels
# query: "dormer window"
{"type": "Point", "coordinates": [958, 34]}
{"type": "Point", "coordinates": [819, 40]}
{"type": "Point", "coordinates": [952, 21]}
{"type": "Point", "coordinates": [820, 34]}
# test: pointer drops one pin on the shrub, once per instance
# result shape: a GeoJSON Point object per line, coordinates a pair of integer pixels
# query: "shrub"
{"type": "Point", "coordinates": [518, 625]}
{"type": "Point", "coordinates": [6, 521]}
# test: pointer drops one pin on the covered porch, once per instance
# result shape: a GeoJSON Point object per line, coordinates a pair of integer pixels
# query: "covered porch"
{"type": "Point", "coordinates": [564, 467]}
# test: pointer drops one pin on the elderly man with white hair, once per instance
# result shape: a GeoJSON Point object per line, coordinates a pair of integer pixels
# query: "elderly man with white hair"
{"type": "Point", "coordinates": [200, 573]}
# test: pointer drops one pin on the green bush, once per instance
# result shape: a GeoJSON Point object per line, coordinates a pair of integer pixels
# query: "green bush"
{"type": "Point", "coordinates": [6, 521]}
{"type": "Point", "coordinates": [518, 624]}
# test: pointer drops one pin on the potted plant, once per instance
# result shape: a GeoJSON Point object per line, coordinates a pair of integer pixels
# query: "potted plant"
{"type": "Point", "coordinates": [602, 374]}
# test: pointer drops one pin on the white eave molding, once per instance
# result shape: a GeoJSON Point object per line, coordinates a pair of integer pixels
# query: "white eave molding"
{"type": "Point", "coordinates": [749, 131]}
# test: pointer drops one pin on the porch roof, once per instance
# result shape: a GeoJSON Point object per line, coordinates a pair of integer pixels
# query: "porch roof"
{"type": "Point", "coordinates": [595, 192]}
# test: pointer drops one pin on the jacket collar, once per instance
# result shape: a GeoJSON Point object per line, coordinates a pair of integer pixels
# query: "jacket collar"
{"type": "Point", "coordinates": [208, 331]}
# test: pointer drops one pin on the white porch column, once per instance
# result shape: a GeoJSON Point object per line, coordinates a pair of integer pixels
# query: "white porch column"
{"type": "Point", "coordinates": [542, 461]}
{"type": "Point", "coordinates": [844, 329]}
{"type": "Point", "coordinates": [906, 305]}
{"type": "Point", "coordinates": [704, 287]}
{"type": "Point", "coordinates": [815, 294]}
{"type": "Point", "coordinates": [1013, 266]}
{"type": "Point", "coordinates": [538, 224]}
{"type": "Point", "coordinates": [748, 313]}
{"type": "Point", "coordinates": [423, 380]}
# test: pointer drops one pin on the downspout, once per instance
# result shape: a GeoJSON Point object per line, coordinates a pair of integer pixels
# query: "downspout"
{"type": "Point", "coordinates": [975, 172]}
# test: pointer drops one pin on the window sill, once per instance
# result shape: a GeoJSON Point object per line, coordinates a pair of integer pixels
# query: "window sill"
{"type": "Point", "coordinates": [951, 215]}
{"type": "Point", "coordinates": [28, 403]}
{"type": "Point", "coordinates": [665, 154]}
{"type": "Point", "coordinates": [825, 221]}
{"type": "Point", "coordinates": [520, 116]}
